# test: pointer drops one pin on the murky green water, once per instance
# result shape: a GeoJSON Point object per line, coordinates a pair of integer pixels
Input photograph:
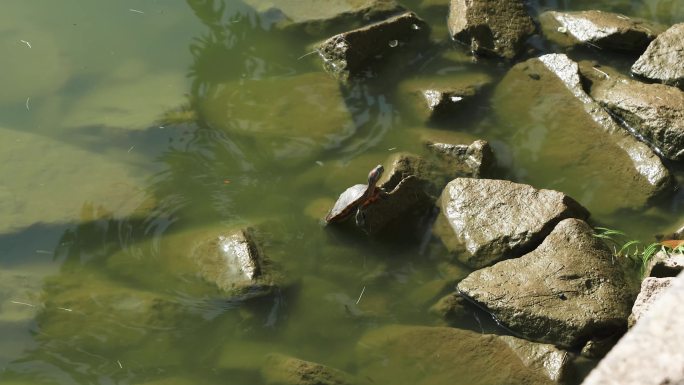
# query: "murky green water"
{"type": "Point", "coordinates": [102, 166]}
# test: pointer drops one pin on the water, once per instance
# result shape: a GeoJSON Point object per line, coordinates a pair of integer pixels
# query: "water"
{"type": "Point", "coordinates": [130, 127]}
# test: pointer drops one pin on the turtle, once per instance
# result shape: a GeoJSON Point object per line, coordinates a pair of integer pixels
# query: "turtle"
{"type": "Point", "coordinates": [356, 198]}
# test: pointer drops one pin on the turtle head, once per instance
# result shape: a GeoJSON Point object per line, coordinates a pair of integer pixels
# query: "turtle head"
{"type": "Point", "coordinates": [375, 174]}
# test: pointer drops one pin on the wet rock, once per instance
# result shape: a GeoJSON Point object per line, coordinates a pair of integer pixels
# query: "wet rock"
{"type": "Point", "coordinates": [442, 97]}
{"type": "Point", "coordinates": [476, 160]}
{"type": "Point", "coordinates": [566, 133]}
{"type": "Point", "coordinates": [483, 221]}
{"type": "Point", "coordinates": [284, 370]}
{"type": "Point", "coordinates": [389, 355]}
{"type": "Point", "coordinates": [356, 52]}
{"type": "Point", "coordinates": [653, 345]}
{"type": "Point", "coordinates": [665, 264]}
{"type": "Point", "coordinates": [568, 290]}
{"type": "Point", "coordinates": [491, 27]}
{"type": "Point", "coordinates": [677, 234]}
{"type": "Point", "coordinates": [598, 347]}
{"type": "Point", "coordinates": [604, 30]}
{"type": "Point", "coordinates": [310, 16]}
{"type": "Point", "coordinates": [548, 359]}
{"type": "Point", "coordinates": [654, 111]}
{"type": "Point", "coordinates": [651, 289]}
{"type": "Point", "coordinates": [452, 308]}
{"type": "Point", "coordinates": [663, 58]}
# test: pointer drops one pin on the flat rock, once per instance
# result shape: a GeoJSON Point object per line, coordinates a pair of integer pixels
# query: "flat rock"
{"type": "Point", "coordinates": [651, 289]}
{"type": "Point", "coordinates": [567, 291]}
{"type": "Point", "coordinates": [390, 355]}
{"type": "Point", "coordinates": [654, 111]}
{"type": "Point", "coordinates": [315, 18]}
{"type": "Point", "coordinates": [604, 30]}
{"type": "Point", "coordinates": [285, 370]}
{"type": "Point", "coordinates": [559, 130]}
{"type": "Point", "coordinates": [484, 221]}
{"type": "Point", "coordinates": [653, 345]}
{"type": "Point", "coordinates": [359, 51]}
{"type": "Point", "coordinates": [491, 27]}
{"type": "Point", "coordinates": [663, 58]}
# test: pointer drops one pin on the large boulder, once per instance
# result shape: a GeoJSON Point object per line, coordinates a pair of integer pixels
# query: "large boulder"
{"type": "Point", "coordinates": [569, 290]}
{"type": "Point", "coordinates": [491, 27]}
{"type": "Point", "coordinates": [604, 30]}
{"type": "Point", "coordinates": [353, 53]}
{"type": "Point", "coordinates": [654, 111]}
{"type": "Point", "coordinates": [663, 58]}
{"type": "Point", "coordinates": [651, 352]}
{"type": "Point", "coordinates": [483, 221]}
{"type": "Point", "coordinates": [562, 135]}
{"type": "Point", "coordinates": [390, 355]}
{"type": "Point", "coordinates": [651, 289]}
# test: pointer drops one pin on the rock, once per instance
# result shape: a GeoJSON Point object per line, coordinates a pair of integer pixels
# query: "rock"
{"type": "Point", "coordinates": [677, 234]}
{"type": "Point", "coordinates": [653, 345]}
{"type": "Point", "coordinates": [604, 30]}
{"type": "Point", "coordinates": [353, 53]}
{"type": "Point", "coordinates": [546, 358]}
{"type": "Point", "coordinates": [651, 289]}
{"type": "Point", "coordinates": [566, 133]}
{"type": "Point", "coordinates": [314, 19]}
{"type": "Point", "coordinates": [442, 97]}
{"type": "Point", "coordinates": [665, 264]}
{"type": "Point", "coordinates": [663, 58]}
{"type": "Point", "coordinates": [491, 27]}
{"type": "Point", "coordinates": [312, 118]}
{"type": "Point", "coordinates": [484, 221]}
{"type": "Point", "coordinates": [654, 111]}
{"type": "Point", "coordinates": [284, 370]}
{"type": "Point", "coordinates": [567, 291]}
{"type": "Point", "coordinates": [476, 160]}
{"type": "Point", "coordinates": [390, 355]}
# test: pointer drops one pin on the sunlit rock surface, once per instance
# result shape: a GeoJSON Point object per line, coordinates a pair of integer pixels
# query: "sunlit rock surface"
{"type": "Point", "coordinates": [491, 27]}
{"type": "Point", "coordinates": [652, 288]}
{"type": "Point", "coordinates": [665, 264]}
{"type": "Point", "coordinates": [663, 58]}
{"type": "Point", "coordinates": [560, 132]}
{"type": "Point", "coordinates": [359, 51]}
{"type": "Point", "coordinates": [390, 355]}
{"type": "Point", "coordinates": [567, 291]}
{"type": "Point", "coordinates": [604, 30]}
{"type": "Point", "coordinates": [651, 352]}
{"type": "Point", "coordinates": [285, 370]}
{"type": "Point", "coordinates": [483, 221]}
{"type": "Point", "coordinates": [654, 111]}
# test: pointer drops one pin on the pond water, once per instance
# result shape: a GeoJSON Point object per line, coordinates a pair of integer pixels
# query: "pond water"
{"type": "Point", "coordinates": [128, 126]}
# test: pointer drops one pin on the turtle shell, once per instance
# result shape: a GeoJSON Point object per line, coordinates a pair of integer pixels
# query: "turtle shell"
{"type": "Point", "coordinates": [347, 203]}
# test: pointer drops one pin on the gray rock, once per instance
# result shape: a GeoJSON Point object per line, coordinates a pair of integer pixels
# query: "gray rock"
{"type": "Point", "coordinates": [491, 27]}
{"type": "Point", "coordinates": [651, 289]}
{"type": "Point", "coordinates": [654, 111]}
{"type": "Point", "coordinates": [390, 355]}
{"type": "Point", "coordinates": [568, 290]}
{"type": "Point", "coordinates": [651, 352]}
{"type": "Point", "coordinates": [665, 264]}
{"type": "Point", "coordinates": [663, 58]}
{"type": "Point", "coordinates": [476, 160]}
{"type": "Point", "coordinates": [604, 30]}
{"type": "Point", "coordinates": [313, 18]}
{"type": "Point", "coordinates": [484, 221]}
{"type": "Point", "coordinates": [353, 53]}
{"type": "Point", "coordinates": [284, 370]}
{"type": "Point", "coordinates": [566, 133]}
{"type": "Point", "coordinates": [546, 358]}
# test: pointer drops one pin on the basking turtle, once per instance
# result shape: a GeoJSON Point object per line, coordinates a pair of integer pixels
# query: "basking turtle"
{"type": "Point", "coordinates": [357, 197]}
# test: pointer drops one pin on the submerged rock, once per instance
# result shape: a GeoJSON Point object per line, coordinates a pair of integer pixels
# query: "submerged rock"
{"type": "Point", "coordinates": [663, 58]}
{"type": "Point", "coordinates": [651, 289]}
{"type": "Point", "coordinates": [566, 133]}
{"type": "Point", "coordinates": [314, 19]}
{"type": "Point", "coordinates": [284, 370]}
{"type": "Point", "coordinates": [604, 30]}
{"type": "Point", "coordinates": [567, 291]}
{"type": "Point", "coordinates": [356, 52]}
{"type": "Point", "coordinates": [654, 111]}
{"type": "Point", "coordinates": [548, 359]}
{"type": "Point", "coordinates": [491, 27]}
{"type": "Point", "coordinates": [484, 221]}
{"type": "Point", "coordinates": [390, 355]}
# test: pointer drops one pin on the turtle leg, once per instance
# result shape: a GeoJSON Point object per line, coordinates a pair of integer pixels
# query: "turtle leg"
{"type": "Point", "coordinates": [360, 218]}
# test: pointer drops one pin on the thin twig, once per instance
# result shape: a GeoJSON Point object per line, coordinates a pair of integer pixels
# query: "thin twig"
{"type": "Point", "coordinates": [360, 295]}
